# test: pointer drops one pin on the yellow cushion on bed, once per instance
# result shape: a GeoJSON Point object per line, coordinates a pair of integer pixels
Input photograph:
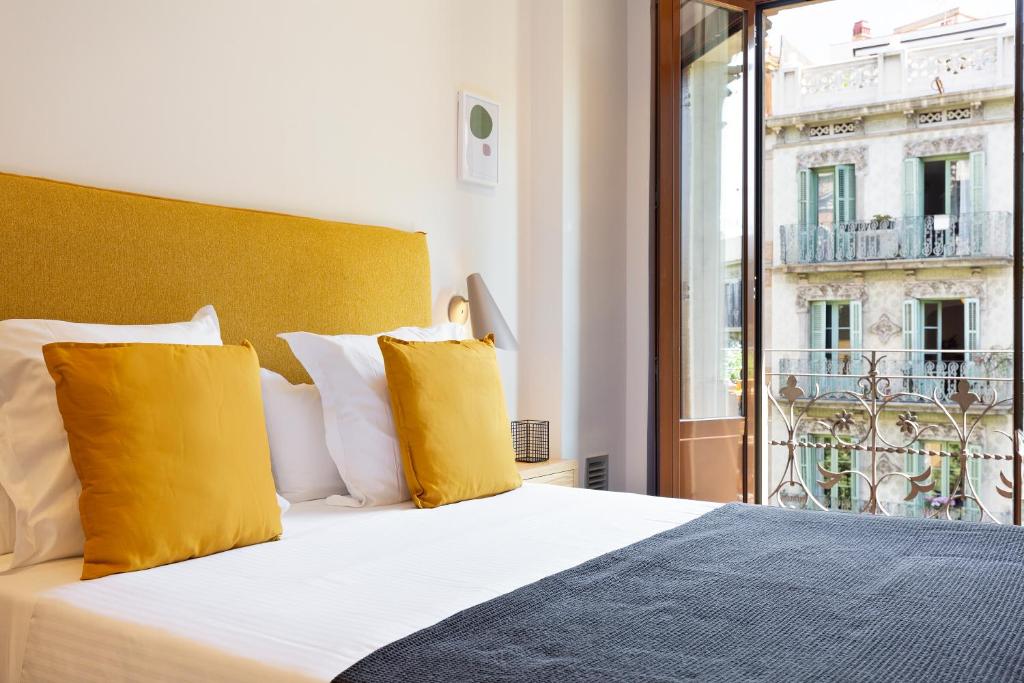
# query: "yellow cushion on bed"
{"type": "Point", "coordinates": [450, 417]}
{"type": "Point", "coordinates": [170, 445]}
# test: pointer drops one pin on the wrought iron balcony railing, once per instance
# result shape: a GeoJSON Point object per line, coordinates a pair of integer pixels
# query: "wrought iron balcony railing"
{"type": "Point", "coordinates": [840, 401]}
{"type": "Point", "coordinates": [986, 235]}
{"type": "Point", "coordinates": [913, 376]}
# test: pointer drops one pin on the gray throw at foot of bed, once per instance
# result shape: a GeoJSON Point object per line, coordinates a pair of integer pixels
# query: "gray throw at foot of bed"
{"type": "Point", "coordinates": [748, 594]}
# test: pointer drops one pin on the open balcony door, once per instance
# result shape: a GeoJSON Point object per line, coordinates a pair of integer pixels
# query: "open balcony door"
{"type": "Point", "coordinates": [705, 349]}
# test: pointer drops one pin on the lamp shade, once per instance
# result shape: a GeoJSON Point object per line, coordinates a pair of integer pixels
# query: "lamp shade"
{"type": "Point", "coordinates": [486, 316]}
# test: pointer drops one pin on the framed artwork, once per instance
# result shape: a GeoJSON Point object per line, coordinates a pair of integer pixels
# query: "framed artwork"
{"type": "Point", "coordinates": [478, 140]}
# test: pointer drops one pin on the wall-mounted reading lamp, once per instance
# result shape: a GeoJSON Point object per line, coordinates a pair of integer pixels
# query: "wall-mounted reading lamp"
{"type": "Point", "coordinates": [486, 316]}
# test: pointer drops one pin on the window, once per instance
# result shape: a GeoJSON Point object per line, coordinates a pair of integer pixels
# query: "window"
{"type": "Point", "coordinates": [945, 478]}
{"type": "Point", "coordinates": [827, 196]}
{"type": "Point", "coordinates": [836, 329]}
{"type": "Point", "coordinates": [940, 336]}
{"type": "Point", "coordinates": [947, 184]}
{"type": "Point", "coordinates": [943, 331]}
{"type": "Point", "coordinates": [944, 186]}
{"type": "Point", "coordinates": [843, 495]}
{"type": "Point", "coordinates": [942, 323]}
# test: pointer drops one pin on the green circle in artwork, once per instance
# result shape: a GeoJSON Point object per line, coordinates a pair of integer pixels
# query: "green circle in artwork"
{"type": "Point", "coordinates": [480, 122]}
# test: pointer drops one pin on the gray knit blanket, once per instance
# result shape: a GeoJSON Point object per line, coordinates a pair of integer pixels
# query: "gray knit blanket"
{"type": "Point", "coordinates": [748, 593]}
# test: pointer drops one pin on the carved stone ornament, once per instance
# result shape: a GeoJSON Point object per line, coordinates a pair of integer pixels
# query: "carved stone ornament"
{"type": "Point", "coordinates": [944, 289]}
{"type": "Point", "coordinates": [858, 156]}
{"type": "Point", "coordinates": [885, 328]}
{"type": "Point", "coordinates": [844, 291]}
{"type": "Point", "coordinates": [961, 144]}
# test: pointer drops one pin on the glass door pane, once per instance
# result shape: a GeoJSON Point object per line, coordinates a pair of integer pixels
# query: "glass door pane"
{"type": "Point", "coordinates": [713, 136]}
{"type": "Point", "coordinates": [712, 147]}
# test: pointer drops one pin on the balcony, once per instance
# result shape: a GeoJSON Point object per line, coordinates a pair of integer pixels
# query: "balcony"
{"type": "Point", "coordinates": [900, 425]}
{"type": "Point", "coordinates": [908, 377]}
{"type": "Point", "coordinates": [958, 66]}
{"type": "Point", "coordinates": [917, 241]}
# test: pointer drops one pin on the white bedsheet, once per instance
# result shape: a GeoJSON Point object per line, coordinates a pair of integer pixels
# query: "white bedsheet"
{"type": "Point", "coordinates": [338, 585]}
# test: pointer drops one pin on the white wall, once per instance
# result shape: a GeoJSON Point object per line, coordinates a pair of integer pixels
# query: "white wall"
{"type": "Point", "coordinates": [578, 243]}
{"type": "Point", "coordinates": [336, 109]}
{"type": "Point", "coordinates": [637, 246]}
{"type": "Point", "coordinates": [346, 109]}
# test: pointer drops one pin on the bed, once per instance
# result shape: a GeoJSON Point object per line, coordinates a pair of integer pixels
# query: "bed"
{"type": "Point", "coordinates": [542, 583]}
{"type": "Point", "coordinates": [337, 586]}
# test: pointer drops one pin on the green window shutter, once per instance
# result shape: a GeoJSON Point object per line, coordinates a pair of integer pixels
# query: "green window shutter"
{"type": "Point", "coordinates": [809, 460]}
{"type": "Point", "coordinates": [974, 468]}
{"type": "Point", "coordinates": [818, 340]}
{"type": "Point", "coordinates": [856, 341]}
{"type": "Point", "coordinates": [854, 482]}
{"type": "Point", "coordinates": [972, 326]}
{"type": "Point", "coordinates": [856, 322]}
{"type": "Point", "coordinates": [915, 465]}
{"type": "Point", "coordinates": [818, 337]}
{"type": "Point", "coordinates": [909, 323]}
{"type": "Point", "coordinates": [913, 333]}
{"type": "Point", "coordinates": [977, 182]}
{"type": "Point", "coordinates": [807, 199]}
{"type": "Point", "coordinates": [913, 187]}
{"type": "Point", "coordinates": [846, 193]}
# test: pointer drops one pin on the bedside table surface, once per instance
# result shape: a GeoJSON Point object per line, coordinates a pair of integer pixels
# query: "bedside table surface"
{"type": "Point", "coordinates": [549, 471]}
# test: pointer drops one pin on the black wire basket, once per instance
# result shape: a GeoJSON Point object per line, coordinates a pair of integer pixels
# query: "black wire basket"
{"type": "Point", "coordinates": [530, 440]}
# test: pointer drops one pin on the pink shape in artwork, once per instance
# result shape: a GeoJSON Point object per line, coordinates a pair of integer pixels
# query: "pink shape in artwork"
{"type": "Point", "coordinates": [487, 150]}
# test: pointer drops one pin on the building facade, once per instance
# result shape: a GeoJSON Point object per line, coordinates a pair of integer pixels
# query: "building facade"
{"type": "Point", "coordinates": [888, 269]}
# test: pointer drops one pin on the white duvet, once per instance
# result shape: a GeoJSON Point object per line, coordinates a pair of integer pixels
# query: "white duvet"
{"type": "Point", "coordinates": [338, 585]}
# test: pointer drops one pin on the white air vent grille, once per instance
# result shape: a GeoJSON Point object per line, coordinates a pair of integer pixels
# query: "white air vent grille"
{"type": "Point", "coordinates": [819, 131]}
{"type": "Point", "coordinates": [595, 472]}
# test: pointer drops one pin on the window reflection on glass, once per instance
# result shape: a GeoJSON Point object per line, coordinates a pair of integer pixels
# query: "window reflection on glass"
{"type": "Point", "coordinates": [711, 209]}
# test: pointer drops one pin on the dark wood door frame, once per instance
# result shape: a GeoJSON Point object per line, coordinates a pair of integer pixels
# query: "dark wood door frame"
{"type": "Point", "coordinates": [667, 290]}
{"type": "Point", "coordinates": [666, 281]}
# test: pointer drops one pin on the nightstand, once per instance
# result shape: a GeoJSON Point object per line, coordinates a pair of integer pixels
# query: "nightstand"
{"type": "Point", "coordinates": [554, 471]}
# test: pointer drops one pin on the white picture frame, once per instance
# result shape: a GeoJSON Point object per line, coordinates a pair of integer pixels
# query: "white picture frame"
{"type": "Point", "coordinates": [478, 132]}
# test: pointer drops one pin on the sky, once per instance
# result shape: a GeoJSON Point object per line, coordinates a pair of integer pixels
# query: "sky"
{"type": "Point", "coordinates": [832, 22]}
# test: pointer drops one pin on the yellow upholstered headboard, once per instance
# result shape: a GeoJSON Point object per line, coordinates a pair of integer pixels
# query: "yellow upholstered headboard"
{"type": "Point", "coordinates": [77, 253]}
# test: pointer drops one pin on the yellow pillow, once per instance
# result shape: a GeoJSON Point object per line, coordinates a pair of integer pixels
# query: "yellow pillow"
{"type": "Point", "coordinates": [450, 416]}
{"type": "Point", "coordinates": [170, 445]}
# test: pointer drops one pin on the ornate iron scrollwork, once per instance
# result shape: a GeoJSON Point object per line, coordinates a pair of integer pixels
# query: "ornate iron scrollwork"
{"type": "Point", "coordinates": [857, 430]}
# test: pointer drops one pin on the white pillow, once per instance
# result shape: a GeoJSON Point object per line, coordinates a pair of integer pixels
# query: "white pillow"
{"type": "Point", "coordinates": [303, 469]}
{"type": "Point", "coordinates": [6, 523]}
{"type": "Point", "coordinates": [348, 370]}
{"type": "Point", "coordinates": [35, 463]}
{"type": "Point", "coordinates": [283, 503]}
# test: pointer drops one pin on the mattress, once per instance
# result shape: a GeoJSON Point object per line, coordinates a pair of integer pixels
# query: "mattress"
{"type": "Point", "coordinates": [339, 584]}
